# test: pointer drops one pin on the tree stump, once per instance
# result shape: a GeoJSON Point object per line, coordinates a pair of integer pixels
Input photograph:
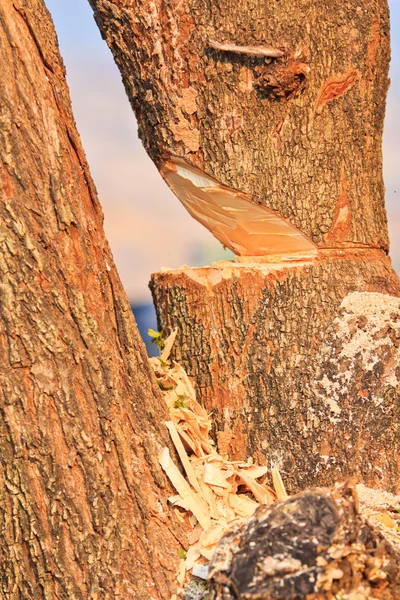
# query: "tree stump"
{"type": "Point", "coordinates": [299, 362]}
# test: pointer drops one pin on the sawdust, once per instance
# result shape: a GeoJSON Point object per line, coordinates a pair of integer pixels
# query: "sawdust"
{"type": "Point", "coordinates": [216, 493]}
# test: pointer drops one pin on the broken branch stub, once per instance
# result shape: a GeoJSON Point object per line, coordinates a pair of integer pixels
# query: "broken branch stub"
{"type": "Point", "coordinates": [314, 546]}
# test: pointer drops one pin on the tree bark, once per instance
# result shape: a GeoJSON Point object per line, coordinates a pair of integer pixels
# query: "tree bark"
{"type": "Point", "coordinates": [277, 345]}
{"type": "Point", "coordinates": [312, 153]}
{"type": "Point", "coordinates": [83, 510]}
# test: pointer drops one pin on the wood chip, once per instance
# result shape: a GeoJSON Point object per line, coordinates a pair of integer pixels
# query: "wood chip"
{"type": "Point", "coordinates": [255, 472]}
{"type": "Point", "coordinates": [213, 476]}
{"type": "Point", "coordinates": [191, 556]}
{"type": "Point", "coordinates": [242, 505]}
{"type": "Point", "coordinates": [196, 503]}
{"type": "Point", "coordinates": [210, 491]}
{"type": "Point", "coordinates": [181, 572]}
{"type": "Point", "coordinates": [169, 342]}
{"type": "Point", "coordinates": [260, 493]}
{"type": "Point", "coordinates": [183, 456]}
{"type": "Point", "coordinates": [278, 484]}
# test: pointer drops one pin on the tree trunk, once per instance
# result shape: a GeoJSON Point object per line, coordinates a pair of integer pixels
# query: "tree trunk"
{"type": "Point", "coordinates": [280, 105]}
{"type": "Point", "coordinates": [83, 510]}
{"type": "Point", "coordinates": [300, 134]}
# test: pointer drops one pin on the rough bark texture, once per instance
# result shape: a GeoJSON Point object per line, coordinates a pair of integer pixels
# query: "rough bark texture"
{"type": "Point", "coordinates": [310, 151]}
{"type": "Point", "coordinates": [314, 546]}
{"type": "Point", "coordinates": [83, 509]}
{"type": "Point", "coordinates": [300, 365]}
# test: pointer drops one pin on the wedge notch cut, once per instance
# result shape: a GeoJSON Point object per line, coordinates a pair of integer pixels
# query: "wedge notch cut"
{"type": "Point", "coordinates": [246, 228]}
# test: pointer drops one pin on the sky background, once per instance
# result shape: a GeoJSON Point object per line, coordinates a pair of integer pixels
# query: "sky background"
{"type": "Point", "coordinates": [146, 225]}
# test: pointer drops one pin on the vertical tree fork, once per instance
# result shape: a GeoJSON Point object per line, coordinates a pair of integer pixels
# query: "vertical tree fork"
{"type": "Point", "coordinates": [83, 510]}
{"type": "Point", "coordinates": [297, 356]}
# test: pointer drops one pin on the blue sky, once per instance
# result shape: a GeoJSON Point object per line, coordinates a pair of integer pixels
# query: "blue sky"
{"type": "Point", "coordinates": [137, 205]}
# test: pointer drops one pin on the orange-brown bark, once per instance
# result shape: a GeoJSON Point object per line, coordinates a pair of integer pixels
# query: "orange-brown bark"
{"type": "Point", "coordinates": [284, 129]}
{"type": "Point", "coordinates": [83, 503]}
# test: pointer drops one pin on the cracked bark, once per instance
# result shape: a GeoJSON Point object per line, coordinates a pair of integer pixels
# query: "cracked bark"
{"type": "Point", "coordinates": [290, 360]}
{"type": "Point", "coordinates": [83, 509]}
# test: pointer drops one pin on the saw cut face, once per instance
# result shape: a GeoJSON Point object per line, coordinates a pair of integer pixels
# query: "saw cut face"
{"type": "Point", "coordinates": [246, 228]}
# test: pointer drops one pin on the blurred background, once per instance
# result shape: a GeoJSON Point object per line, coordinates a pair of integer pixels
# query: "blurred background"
{"type": "Point", "coordinates": [146, 225]}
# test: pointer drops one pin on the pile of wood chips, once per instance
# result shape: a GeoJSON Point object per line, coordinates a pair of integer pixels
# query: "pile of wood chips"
{"type": "Point", "coordinates": [218, 494]}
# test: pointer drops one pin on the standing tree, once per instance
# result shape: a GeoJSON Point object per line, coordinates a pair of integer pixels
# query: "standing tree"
{"type": "Point", "coordinates": [83, 510]}
{"type": "Point", "coordinates": [266, 120]}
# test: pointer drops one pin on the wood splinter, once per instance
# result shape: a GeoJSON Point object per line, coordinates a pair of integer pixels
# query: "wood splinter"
{"type": "Point", "coordinates": [268, 52]}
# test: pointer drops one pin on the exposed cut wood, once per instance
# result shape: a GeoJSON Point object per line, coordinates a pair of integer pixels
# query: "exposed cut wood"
{"type": "Point", "coordinates": [247, 228]}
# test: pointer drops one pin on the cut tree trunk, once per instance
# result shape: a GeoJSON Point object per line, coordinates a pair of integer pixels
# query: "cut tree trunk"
{"type": "Point", "coordinates": [280, 104]}
{"type": "Point", "coordinates": [300, 364]}
{"type": "Point", "coordinates": [300, 135]}
{"type": "Point", "coordinates": [83, 509]}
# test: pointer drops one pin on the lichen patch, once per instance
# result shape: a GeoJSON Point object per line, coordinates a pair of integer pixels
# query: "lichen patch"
{"type": "Point", "coordinates": [365, 325]}
{"type": "Point", "coordinates": [363, 349]}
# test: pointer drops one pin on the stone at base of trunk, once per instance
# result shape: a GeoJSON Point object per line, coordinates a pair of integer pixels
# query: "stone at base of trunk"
{"type": "Point", "coordinates": [314, 546]}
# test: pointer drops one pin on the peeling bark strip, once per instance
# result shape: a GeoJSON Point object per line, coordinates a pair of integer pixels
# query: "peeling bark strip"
{"type": "Point", "coordinates": [335, 86]}
{"type": "Point", "coordinates": [215, 110]}
{"type": "Point", "coordinates": [314, 546]}
{"type": "Point", "coordinates": [298, 363]}
{"type": "Point", "coordinates": [83, 503]}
